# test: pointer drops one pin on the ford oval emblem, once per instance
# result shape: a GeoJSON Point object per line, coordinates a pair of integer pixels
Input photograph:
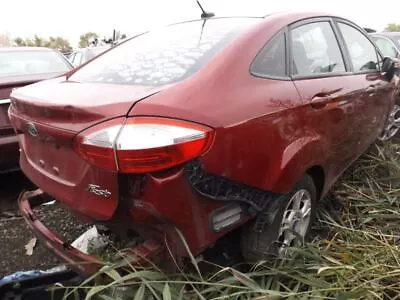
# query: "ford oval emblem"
{"type": "Point", "coordinates": [32, 129]}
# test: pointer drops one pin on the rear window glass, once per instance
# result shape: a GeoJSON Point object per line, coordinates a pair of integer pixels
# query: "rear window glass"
{"type": "Point", "coordinates": [272, 59]}
{"type": "Point", "coordinates": [21, 63]}
{"type": "Point", "coordinates": [163, 56]}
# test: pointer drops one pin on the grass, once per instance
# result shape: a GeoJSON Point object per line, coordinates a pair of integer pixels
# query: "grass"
{"type": "Point", "coordinates": [354, 254]}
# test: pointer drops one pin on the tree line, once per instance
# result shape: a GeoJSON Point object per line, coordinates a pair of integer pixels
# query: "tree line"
{"type": "Point", "coordinates": [392, 27]}
{"type": "Point", "coordinates": [60, 43]}
{"type": "Point", "coordinates": [86, 39]}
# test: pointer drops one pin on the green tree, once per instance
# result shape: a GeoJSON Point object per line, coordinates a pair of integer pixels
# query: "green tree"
{"type": "Point", "coordinates": [85, 38]}
{"type": "Point", "coordinates": [38, 41]}
{"type": "Point", "coordinates": [392, 27]}
{"type": "Point", "coordinates": [58, 43]}
{"type": "Point", "coordinates": [19, 42]}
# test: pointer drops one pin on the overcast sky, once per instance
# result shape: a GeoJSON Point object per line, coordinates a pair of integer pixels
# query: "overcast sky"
{"type": "Point", "coordinates": [74, 17]}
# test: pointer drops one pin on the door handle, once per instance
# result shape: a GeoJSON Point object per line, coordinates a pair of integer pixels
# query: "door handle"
{"type": "Point", "coordinates": [371, 88]}
{"type": "Point", "coordinates": [320, 101]}
{"type": "Point", "coordinates": [318, 104]}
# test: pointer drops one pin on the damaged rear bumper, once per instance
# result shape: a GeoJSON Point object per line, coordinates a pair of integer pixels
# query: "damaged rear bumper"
{"type": "Point", "coordinates": [79, 261]}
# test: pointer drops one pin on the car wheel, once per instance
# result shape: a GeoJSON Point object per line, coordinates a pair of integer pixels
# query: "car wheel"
{"type": "Point", "coordinates": [288, 228]}
{"type": "Point", "coordinates": [393, 125]}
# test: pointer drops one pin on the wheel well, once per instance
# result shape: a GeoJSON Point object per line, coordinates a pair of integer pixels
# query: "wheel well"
{"type": "Point", "coordinates": [318, 175]}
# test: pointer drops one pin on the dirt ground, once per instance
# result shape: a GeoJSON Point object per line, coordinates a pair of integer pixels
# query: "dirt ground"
{"type": "Point", "coordinates": [14, 233]}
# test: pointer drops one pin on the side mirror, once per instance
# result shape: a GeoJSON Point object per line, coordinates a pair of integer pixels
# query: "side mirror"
{"type": "Point", "coordinates": [388, 68]}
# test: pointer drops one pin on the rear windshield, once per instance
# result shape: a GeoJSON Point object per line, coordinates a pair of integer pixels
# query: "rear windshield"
{"type": "Point", "coordinates": [163, 56]}
{"type": "Point", "coordinates": [21, 63]}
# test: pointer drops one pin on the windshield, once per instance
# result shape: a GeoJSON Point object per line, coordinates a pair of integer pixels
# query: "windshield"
{"type": "Point", "coordinates": [396, 40]}
{"type": "Point", "coordinates": [33, 62]}
{"type": "Point", "coordinates": [163, 56]}
{"type": "Point", "coordinates": [94, 52]}
{"type": "Point", "coordinates": [386, 46]}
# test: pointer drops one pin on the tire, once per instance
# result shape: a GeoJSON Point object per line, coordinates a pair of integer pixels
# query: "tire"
{"type": "Point", "coordinates": [265, 245]}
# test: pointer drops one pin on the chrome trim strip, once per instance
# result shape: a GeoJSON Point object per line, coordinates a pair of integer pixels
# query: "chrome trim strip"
{"type": "Point", "coordinates": [5, 101]}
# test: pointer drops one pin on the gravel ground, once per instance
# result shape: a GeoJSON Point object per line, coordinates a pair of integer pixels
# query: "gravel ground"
{"type": "Point", "coordinates": [14, 233]}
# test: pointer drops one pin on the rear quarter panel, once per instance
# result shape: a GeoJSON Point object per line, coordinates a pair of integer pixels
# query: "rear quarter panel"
{"type": "Point", "coordinates": [265, 137]}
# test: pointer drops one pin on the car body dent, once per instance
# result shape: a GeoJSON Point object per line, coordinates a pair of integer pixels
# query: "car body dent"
{"type": "Point", "coordinates": [296, 160]}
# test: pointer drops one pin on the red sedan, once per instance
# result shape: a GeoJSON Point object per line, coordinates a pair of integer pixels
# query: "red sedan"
{"type": "Point", "coordinates": [204, 127]}
{"type": "Point", "coordinates": [19, 67]}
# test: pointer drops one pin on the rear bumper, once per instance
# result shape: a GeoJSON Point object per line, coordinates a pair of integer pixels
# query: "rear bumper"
{"type": "Point", "coordinates": [79, 261]}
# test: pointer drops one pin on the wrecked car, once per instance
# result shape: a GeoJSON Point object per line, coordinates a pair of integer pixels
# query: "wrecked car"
{"type": "Point", "coordinates": [21, 66]}
{"type": "Point", "coordinates": [204, 128]}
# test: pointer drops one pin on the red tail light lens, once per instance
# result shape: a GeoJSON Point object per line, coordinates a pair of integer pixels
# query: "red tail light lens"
{"type": "Point", "coordinates": [142, 144]}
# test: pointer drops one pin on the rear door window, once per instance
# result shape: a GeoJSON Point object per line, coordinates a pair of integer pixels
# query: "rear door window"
{"type": "Point", "coordinates": [315, 50]}
{"type": "Point", "coordinates": [271, 61]}
{"type": "Point", "coordinates": [362, 52]}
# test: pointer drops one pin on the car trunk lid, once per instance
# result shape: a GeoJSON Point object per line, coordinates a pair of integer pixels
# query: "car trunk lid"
{"type": "Point", "coordinates": [7, 84]}
{"type": "Point", "coordinates": [47, 117]}
{"type": "Point", "coordinates": [75, 106]}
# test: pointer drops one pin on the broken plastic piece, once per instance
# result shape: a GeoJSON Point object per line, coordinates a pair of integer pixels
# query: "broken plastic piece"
{"type": "Point", "coordinates": [49, 203]}
{"type": "Point", "coordinates": [89, 240]}
{"type": "Point", "coordinates": [29, 247]}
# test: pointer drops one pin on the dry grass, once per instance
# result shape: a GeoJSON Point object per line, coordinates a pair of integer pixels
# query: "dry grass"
{"type": "Point", "coordinates": [354, 255]}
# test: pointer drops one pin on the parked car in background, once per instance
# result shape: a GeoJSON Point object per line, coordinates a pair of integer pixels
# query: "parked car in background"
{"type": "Point", "coordinates": [203, 127]}
{"type": "Point", "coordinates": [388, 43]}
{"type": "Point", "coordinates": [21, 66]}
{"type": "Point", "coordinates": [81, 56]}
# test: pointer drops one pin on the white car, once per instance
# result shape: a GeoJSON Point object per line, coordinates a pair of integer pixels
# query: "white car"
{"type": "Point", "coordinates": [83, 55]}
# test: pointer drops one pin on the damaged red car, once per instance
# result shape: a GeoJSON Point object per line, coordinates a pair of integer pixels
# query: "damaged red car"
{"type": "Point", "coordinates": [205, 128]}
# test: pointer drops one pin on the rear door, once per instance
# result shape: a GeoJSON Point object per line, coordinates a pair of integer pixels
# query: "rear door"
{"type": "Point", "coordinates": [376, 97]}
{"type": "Point", "coordinates": [321, 75]}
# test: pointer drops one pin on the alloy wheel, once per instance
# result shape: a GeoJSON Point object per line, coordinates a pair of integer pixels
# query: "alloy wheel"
{"type": "Point", "coordinates": [392, 126]}
{"type": "Point", "coordinates": [295, 222]}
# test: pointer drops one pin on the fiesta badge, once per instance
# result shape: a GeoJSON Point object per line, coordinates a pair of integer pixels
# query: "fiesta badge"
{"type": "Point", "coordinates": [32, 129]}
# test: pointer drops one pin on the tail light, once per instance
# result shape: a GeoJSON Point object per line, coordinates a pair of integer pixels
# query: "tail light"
{"type": "Point", "coordinates": [143, 144]}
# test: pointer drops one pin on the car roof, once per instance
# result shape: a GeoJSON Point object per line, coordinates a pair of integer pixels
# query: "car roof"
{"type": "Point", "coordinates": [387, 33]}
{"type": "Point", "coordinates": [24, 49]}
{"type": "Point", "coordinates": [290, 16]}
{"type": "Point", "coordinates": [301, 14]}
{"type": "Point", "coordinates": [91, 48]}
